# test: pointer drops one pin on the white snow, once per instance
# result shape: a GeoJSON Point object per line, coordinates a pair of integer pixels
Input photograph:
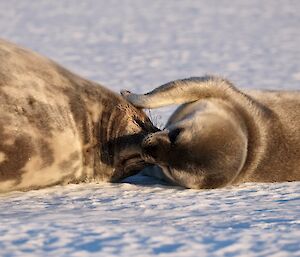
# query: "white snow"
{"type": "Point", "coordinates": [144, 220]}
{"type": "Point", "coordinates": [138, 45]}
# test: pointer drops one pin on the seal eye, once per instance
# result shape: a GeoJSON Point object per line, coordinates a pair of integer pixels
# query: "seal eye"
{"type": "Point", "coordinates": [145, 126]}
{"type": "Point", "coordinates": [173, 134]}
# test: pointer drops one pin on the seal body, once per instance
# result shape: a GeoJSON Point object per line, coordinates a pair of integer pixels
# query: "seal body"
{"type": "Point", "coordinates": [58, 128]}
{"type": "Point", "coordinates": [222, 136]}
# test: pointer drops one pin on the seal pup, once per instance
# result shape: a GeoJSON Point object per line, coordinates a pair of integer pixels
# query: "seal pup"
{"type": "Point", "coordinates": [59, 128]}
{"type": "Point", "coordinates": [222, 136]}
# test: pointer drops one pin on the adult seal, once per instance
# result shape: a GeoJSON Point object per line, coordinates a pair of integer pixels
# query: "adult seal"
{"type": "Point", "coordinates": [222, 136]}
{"type": "Point", "coordinates": [58, 128]}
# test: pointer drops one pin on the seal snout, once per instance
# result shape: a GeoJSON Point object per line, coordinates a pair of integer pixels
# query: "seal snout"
{"type": "Point", "coordinates": [150, 147]}
{"type": "Point", "coordinates": [154, 146]}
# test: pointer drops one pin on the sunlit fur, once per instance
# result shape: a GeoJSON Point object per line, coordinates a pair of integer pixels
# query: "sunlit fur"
{"type": "Point", "coordinates": [223, 136]}
{"type": "Point", "coordinates": [58, 128]}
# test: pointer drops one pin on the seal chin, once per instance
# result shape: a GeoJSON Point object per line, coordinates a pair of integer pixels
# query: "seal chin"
{"type": "Point", "coordinates": [132, 165]}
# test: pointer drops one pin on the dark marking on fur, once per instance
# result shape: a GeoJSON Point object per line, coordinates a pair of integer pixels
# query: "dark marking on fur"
{"type": "Point", "coordinates": [67, 165]}
{"type": "Point", "coordinates": [16, 156]}
{"type": "Point", "coordinates": [43, 101]}
{"type": "Point", "coordinates": [45, 152]}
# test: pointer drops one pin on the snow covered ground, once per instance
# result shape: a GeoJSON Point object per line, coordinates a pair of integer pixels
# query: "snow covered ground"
{"type": "Point", "coordinates": [144, 220]}
{"type": "Point", "coordinates": [138, 45]}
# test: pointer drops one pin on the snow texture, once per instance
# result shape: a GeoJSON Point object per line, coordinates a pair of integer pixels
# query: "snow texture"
{"type": "Point", "coordinates": [138, 45]}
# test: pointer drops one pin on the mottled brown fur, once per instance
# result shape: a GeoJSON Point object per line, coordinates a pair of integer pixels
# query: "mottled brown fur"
{"type": "Point", "coordinates": [17, 155]}
{"type": "Point", "coordinates": [57, 128]}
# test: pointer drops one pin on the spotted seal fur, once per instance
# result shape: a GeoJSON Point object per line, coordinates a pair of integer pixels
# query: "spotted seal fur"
{"type": "Point", "coordinates": [57, 127]}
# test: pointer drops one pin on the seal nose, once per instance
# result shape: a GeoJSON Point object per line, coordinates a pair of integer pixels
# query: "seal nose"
{"type": "Point", "coordinates": [156, 145]}
{"type": "Point", "coordinates": [149, 146]}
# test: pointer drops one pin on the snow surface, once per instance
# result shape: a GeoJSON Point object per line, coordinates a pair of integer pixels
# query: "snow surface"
{"type": "Point", "coordinates": [139, 45]}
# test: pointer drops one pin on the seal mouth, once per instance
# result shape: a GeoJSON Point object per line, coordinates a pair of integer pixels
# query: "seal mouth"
{"type": "Point", "coordinates": [133, 163]}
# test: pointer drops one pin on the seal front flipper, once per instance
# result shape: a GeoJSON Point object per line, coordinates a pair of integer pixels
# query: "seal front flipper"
{"type": "Point", "coordinates": [189, 90]}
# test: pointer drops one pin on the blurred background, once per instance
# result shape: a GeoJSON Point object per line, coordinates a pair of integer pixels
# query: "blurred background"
{"type": "Point", "coordinates": [141, 44]}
